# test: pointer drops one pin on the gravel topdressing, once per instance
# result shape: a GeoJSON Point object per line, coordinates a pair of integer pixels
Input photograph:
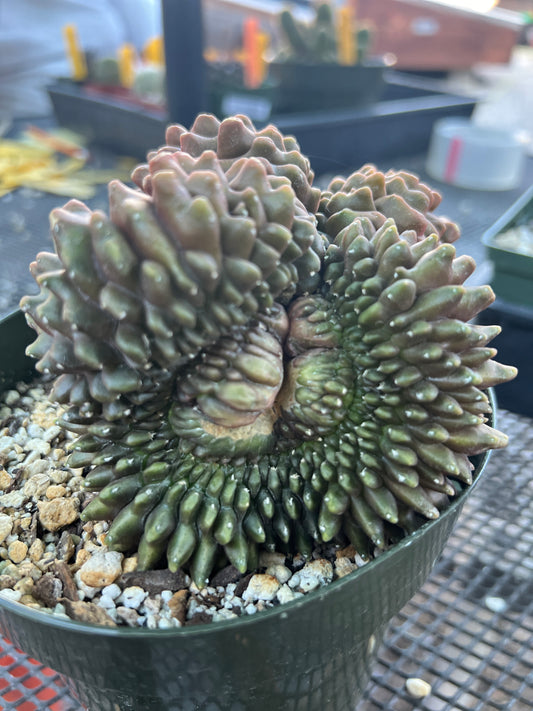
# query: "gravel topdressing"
{"type": "Point", "coordinates": [50, 560]}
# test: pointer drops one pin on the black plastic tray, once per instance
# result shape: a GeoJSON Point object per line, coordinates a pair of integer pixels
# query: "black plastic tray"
{"type": "Point", "coordinates": [107, 121]}
{"type": "Point", "coordinates": [515, 345]}
{"type": "Point", "coordinates": [334, 139]}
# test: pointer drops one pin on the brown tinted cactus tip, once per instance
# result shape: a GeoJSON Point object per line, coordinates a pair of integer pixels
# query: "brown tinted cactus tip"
{"type": "Point", "coordinates": [249, 363]}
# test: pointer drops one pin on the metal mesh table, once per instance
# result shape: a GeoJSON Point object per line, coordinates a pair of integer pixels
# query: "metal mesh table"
{"type": "Point", "coordinates": [468, 632]}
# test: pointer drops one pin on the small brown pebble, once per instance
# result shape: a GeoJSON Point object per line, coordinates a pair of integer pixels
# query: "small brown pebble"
{"type": "Point", "coordinates": [82, 556]}
{"type": "Point", "coordinates": [57, 454]}
{"type": "Point", "coordinates": [25, 585]}
{"type": "Point", "coordinates": [33, 528]}
{"type": "Point", "coordinates": [227, 575]}
{"type": "Point", "coordinates": [55, 491]}
{"type": "Point", "coordinates": [7, 581]}
{"type": "Point", "coordinates": [17, 474]}
{"type": "Point", "coordinates": [102, 569]}
{"type": "Point", "coordinates": [87, 612]}
{"type": "Point", "coordinates": [27, 569]}
{"type": "Point", "coordinates": [28, 600]}
{"type": "Point", "coordinates": [58, 476]}
{"type": "Point", "coordinates": [178, 605]}
{"type": "Point", "coordinates": [25, 523]}
{"type": "Point", "coordinates": [17, 551]}
{"type": "Point", "coordinates": [242, 585]}
{"type": "Point", "coordinates": [154, 581]}
{"type": "Point", "coordinates": [199, 618]}
{"type": "Point", "coordinates": [344, 566]}
{"type": "Point", "coordinates": [57, 513]}
{"type": "Point", "coordinates": [63, 572]}
{"type": "Point", "coordinates": [48, 590]}
{"type": "Point", "coordinates": [36, 550]}
{"type": "Point", "coordinates": [37, 484]}
{"type": "Point", "coordinates": [348, 552]}
{"type": "Point", "coordinates": [128, 615]}
{"type": "Point", "coordinates": [130, 564]}
{"type": "Point", "coordinates": [211, 599]}
{"type": "Point", "coordinates": [65, 547]}
{"type": "Point", "coordinates": [6, 481]}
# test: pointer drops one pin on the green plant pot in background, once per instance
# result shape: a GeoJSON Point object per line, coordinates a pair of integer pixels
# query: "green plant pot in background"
{"type": "Point", "coordinates": [313, 87]}
{"type": "Point", "coordinates": [512, 277]}
{"type": "Point", "coordinates": [312, 654]}
{"type": "Point", "coordinates": [228, 95]}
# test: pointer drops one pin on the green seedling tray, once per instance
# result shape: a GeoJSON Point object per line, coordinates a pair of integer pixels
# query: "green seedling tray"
{"type": "Point", "coordinates": [512, 278]}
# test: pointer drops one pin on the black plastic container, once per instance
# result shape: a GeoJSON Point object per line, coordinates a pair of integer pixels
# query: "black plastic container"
{"type": "Point", "coordinates": [341, 139]}
{"type": "Point", "coordinates": [512, 281]}
{"type": "Point", "coordinates": [107, 121]}
{"type": "Point", "coordinates": [515, 346]}
{"type": "Point", "coordinates": [336, 140]}
{"type": "Point", "coordinates": [311, 87]}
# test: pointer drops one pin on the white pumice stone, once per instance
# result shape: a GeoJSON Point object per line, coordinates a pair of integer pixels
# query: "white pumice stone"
{"type": "Point", "coordinates": [112, 591]}
{"type": "Point", "coordinates": [314, 574]}
{"type": "Point", "coordinates": [261, 587]}
{"type": "Point", "coordinates": [11, 397]}
{"type": "Point", "coordinates": [9, 594]}
{"type": "Point", "coordinates": [294, 581]}
{"type": "Point", "coordinates": [286, 594]}
{"type": "Point", "coordinates": [417, 688]}
{"type": "Point", "coordinates": [88, 591]}
{"type": "Point", "coordinates": [280, 572]}
{"type": "Point", "coordinates": [102, 569]}
{"type": "Point", "coordinates": [6, 526]}
{"type": "Point", "coordinates": [132, 597]}
{"type": "Point", "coordinates": [496, 604]}
{"type": "Point", "coordinates": [106, 602]}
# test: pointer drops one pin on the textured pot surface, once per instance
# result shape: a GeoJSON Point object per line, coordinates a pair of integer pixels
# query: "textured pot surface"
{"type": "Point", "coordinates": [309, 655]}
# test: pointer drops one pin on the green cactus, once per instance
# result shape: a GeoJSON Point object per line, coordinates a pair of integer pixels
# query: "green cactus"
{"type": "Point", "coordinates": [104, 70]}
{"type": "Point", "coordinates": [251, 364]}
{"type": "Point", "coordinates": [316, 42]}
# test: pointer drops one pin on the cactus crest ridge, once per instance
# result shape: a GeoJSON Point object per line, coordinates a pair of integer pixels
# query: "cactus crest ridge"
{"type": "Point", "coordinates": [251, 363]}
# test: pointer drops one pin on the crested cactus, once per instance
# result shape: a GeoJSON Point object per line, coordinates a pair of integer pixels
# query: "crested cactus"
{"type": "Point", "coordinates": [250, 363]}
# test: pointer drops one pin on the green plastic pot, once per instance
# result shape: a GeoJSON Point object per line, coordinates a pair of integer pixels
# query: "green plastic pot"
{"type": "Point", "coordinates": [302, 86]}
{"type": "Point", "coordinates": [228, 95]}
{"type": "Point", "coordinates": [512, 277]}
{"type": "Point", "coordinates": [312, 654]}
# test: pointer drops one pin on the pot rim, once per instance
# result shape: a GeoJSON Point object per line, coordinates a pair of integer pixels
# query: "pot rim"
{"type": "Point", "coordinates": [387, 60]}
{"type": "Point", "coordinates": [49, 619]}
